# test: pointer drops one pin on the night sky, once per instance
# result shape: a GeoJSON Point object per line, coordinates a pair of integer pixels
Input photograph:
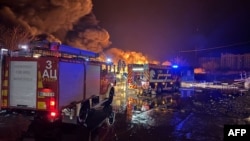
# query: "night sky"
{"type": "Point", "coordinates": [136, 30]}
{"type": "Point", "coordinates": [163, 29]}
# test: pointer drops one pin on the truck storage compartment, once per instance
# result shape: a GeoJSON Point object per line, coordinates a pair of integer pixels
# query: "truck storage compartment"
{"type": "Point", "coordinates": [71, 82]}
{"type": "Point", "coordinates": [23, 84]}
{"type": "Point", "coordinates": [93, 77]}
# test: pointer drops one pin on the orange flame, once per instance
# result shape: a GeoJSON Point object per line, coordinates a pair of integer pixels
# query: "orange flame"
{"type": "Point", "coordinates": [130, 57]}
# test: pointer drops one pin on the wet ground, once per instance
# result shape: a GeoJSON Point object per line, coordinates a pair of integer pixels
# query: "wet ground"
{"type": "Point", "coordinates": [167, 117]}
{"type": "Point", "coordinates": [175, 117]}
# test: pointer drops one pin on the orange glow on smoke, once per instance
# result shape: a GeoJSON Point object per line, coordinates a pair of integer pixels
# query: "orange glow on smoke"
{"type": "Point", "coordinates": [130, 57]}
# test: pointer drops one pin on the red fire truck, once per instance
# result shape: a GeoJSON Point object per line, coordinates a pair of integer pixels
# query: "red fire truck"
{"type": "Point", "coordinates": [55, 82]}
{"type": "Point", "coordinates": [151, 78]}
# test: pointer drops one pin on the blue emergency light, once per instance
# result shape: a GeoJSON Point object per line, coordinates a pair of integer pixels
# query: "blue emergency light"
{"type": "Point", "coordinates": [175, 66]}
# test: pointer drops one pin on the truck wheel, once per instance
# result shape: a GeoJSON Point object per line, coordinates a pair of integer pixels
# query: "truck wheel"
{"type": "Point", "coordinates": [111, 118]}
{"type": "Point", "coordinates": [83, 114]}
{"type": "Point", "coordinates": [111, 95]}
{"type": "Point", "coordinates": [110, 114]}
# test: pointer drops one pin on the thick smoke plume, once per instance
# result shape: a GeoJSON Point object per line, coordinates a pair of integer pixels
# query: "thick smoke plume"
{"type": "Point", "coordinates": [55, 20]}
{"type": "Point", "coordinates": [69, 22]}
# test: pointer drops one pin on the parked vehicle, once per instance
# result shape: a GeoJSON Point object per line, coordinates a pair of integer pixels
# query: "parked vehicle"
{"type": "Point", "coordinates": [151, 78]}
{"type": "Point", "coordinates": [56, 83]}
